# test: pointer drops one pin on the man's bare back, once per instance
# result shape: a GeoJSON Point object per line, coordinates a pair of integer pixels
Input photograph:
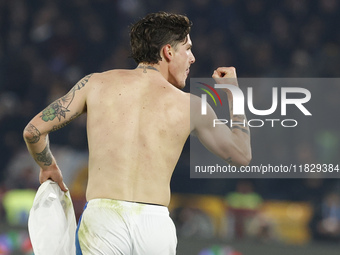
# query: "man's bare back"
{"type": "Point", "coordinates": [137, 125]}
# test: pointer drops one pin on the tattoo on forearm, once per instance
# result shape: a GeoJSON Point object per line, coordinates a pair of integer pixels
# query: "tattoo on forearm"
{"type": "Point", "coordinates": [59, 108]}
{"type": "Point", "coordinates": [239, 118]}
{"type": "Point", "coordinates": [229, 161]}
{"type": "Point", "coordinates": [241, 126]}
{"type": "Point", "coordinates": [56, 127]}
{"type": "Point", "coordinates": [35, 133]}
{"type": "Point", "coordinates": [45, 156]}
{"type": "Point", "coordinates": [243, 129]}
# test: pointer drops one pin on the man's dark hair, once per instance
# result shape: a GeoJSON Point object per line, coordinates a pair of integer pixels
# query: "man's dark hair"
{"type": "Point", "coordinates": [155, 30]}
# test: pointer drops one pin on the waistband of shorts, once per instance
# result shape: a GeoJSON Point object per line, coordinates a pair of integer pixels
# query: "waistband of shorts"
{"type": "Point", "coordinates": [127, 205]}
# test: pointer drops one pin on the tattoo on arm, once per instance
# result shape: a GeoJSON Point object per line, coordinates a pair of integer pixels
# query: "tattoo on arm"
{"type": "Point", "coordinates": [59, 108]}
{"type": "Point", "coordinates": [243, 129]}
{"type": "Point", "coordinates": [56, 109]}
{"type": "Point", "coordinates": [45, 156]}
{"type": "Point", "coordinates": [35, 133]}
{"type": "Point", "coordinates": [56, 127]}
{"type": "Point", "coordinates": [239, 118]}
{"type": "Point", "coordinates": [229, 161]}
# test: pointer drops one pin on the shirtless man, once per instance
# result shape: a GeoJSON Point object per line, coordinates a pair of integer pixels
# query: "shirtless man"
{"type": "Point", "coordinates": [137, 123]}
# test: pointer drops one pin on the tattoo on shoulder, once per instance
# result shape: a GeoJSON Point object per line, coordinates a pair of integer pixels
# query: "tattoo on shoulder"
{"type": "Point", "coordinates": [80, 84]}
{"type": "Point", "coordinates": [35, 133]}
{"type": "Point", "coordinates": [59, 108]}
{"type": "Point", "coordinates": [45, 156]}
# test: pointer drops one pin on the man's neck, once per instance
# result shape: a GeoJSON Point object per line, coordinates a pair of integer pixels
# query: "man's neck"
{"type": "Point", "coordinates": [161, 67]}
{"type": "Point", "coordinates": [146, 67]}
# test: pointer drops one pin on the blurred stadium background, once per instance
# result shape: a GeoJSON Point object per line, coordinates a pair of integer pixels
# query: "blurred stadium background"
{"type": "Point", "coordinates": [46, 46]}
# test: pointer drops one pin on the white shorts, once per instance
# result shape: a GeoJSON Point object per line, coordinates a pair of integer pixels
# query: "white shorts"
{"type": "Point", "coordinates": [112, 227]}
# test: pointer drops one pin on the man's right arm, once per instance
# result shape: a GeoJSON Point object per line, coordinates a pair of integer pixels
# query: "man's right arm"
{"type": "Point", "coordinates": [55, 116]}
{"type": "Point", "coordinates": [231, 144]}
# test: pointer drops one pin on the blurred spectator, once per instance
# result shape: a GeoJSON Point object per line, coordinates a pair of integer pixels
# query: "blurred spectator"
{"type": "Point", "coordinates": [220, 250]}
{"type": "Point", "coordinates": [17, 205]}
{"type": "Point", "coordinates": [242, 206]}
{"type": "Point", "coordinates": [326, 222]}
{"type": "Point", "coordinates": [192, 222]}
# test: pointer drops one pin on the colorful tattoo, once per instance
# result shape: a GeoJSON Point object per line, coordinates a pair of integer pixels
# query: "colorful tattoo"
{"type": "Point", "coordinates": [56, 109]}
{"type": "Point", "coordinates": [59, 108]}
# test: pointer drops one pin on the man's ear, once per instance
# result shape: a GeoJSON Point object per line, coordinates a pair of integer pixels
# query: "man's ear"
{"type": "Point", "coordinates": [167, 51]}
